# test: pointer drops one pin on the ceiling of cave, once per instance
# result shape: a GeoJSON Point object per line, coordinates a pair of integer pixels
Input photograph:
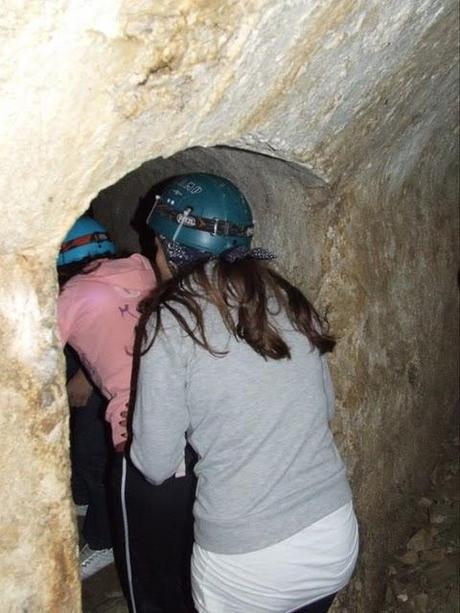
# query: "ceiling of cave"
{"type": "Point", "coordinates": [89, 91]}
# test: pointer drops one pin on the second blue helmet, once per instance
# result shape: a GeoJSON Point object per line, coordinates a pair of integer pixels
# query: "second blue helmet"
{"type": "Point", "coordinates": [87, 238]}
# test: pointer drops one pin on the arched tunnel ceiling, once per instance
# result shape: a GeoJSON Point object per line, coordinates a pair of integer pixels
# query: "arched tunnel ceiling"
{"type": "Point", "coordinates": [92, 90]}
{"type": "Point", "coordinates": [293, 208]}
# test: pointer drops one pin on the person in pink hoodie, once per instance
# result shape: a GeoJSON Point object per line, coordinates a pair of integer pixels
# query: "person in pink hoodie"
{"type": "Point", "coordinates": [97, 317]}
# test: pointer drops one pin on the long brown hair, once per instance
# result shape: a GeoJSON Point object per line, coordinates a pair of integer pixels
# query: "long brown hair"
{"type": "Point", "coordinates": [246, 293]}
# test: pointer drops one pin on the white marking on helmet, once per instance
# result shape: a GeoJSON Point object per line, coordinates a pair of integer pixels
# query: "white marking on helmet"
{"type": "Point", "coordinates": [185, 220]}
{"type": "Point", "coordinates": [191, 187]}
{"type": "Point", "coordinates": [184, 217]}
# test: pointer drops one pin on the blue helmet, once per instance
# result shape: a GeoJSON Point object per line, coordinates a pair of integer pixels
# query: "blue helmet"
{"type": "Point", "coordinates": [85, 239]}
{"type": "Point", "coordinates": [202, 211]}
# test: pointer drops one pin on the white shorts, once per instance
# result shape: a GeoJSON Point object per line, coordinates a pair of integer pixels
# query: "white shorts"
{"type": "Point", "coordinates": [310, 565]}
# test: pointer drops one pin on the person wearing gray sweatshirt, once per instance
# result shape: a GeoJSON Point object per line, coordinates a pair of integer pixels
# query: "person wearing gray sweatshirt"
{"type": "Point", "coordinates": [233, 362]}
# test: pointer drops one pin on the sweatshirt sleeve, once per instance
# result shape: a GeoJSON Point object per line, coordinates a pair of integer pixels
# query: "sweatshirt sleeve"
{"type": "Point", "coordinates": [67, 308]}
{"type": "Point", "coordinates": [328, 388]}
{"type": "Point", "coordinates": [161, 416]}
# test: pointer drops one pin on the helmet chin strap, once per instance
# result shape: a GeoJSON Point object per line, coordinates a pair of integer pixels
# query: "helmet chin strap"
{"type": "Point", "coordinates": [179, 256]}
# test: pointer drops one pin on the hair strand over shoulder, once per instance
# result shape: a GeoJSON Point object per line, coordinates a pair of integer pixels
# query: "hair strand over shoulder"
{"type": "Point", "coordinates": [247, 293]}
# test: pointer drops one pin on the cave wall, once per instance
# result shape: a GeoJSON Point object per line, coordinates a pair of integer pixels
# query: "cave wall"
{"type": "Point", "coordinates": [378, 253]}
{"type": "Point", "coordinates": [364, 95]}
{"type": "Point", "coordinates": [392, 281]}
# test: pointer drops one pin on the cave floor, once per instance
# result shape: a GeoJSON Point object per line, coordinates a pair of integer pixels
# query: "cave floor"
{"type": "Point", "coordinates": [102, 593]}
{"type": "Point", "coordinates": [422, 578]}
{"type": "Point", "coordinates": [424, 575]}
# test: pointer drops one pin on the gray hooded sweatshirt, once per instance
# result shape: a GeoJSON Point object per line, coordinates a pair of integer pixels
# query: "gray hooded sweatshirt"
{"type": "Point", "coordinates": [268, 466]}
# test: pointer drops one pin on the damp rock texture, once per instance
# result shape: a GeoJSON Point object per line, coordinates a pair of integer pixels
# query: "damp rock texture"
{"type": "Point", "coordinates": [423, 576]}
{"type": "Point", "coordinates": [362, 94]}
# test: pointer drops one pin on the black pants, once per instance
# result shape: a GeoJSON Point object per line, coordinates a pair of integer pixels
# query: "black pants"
{"type": "Point", "coordinates": [90, 451]}
{"type": "Point", "coordinates": [153, 539]}
{"type": "Point", "coordinates": [320, 606]}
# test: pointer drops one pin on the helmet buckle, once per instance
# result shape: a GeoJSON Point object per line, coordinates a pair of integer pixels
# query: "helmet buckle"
{"type": "Point", "coordinates": [183, 220]}
{"type": "Point", "coordinates": [223, 229]}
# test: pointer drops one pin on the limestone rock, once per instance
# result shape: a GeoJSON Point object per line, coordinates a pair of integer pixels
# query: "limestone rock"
{"type": "Point", "coordinates": [421, 602]}
{"type": "Point", "coordinates": [421, 540]}
{"type": "Point", "coordinates": [425, 502]}
{"type": "Point", "coordinates": [409, 558]}
{"type": "Point", "coordinates": [361, 93]}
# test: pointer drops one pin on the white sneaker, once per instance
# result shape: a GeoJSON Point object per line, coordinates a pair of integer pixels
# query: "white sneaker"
{"type": "Point", "coordinates": [94, 560]}
{"type": "Point", "coordinates": [80, 509]}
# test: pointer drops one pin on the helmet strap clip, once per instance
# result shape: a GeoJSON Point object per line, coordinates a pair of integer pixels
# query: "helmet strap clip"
{"type": "Point", "coordinates": [224, 227]}
{"type": "Point", "coordinates": [185, 214]}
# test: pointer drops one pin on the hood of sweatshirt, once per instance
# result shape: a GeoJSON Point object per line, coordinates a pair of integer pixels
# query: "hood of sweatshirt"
{"type": "Point", "coordinates": [130, 274]}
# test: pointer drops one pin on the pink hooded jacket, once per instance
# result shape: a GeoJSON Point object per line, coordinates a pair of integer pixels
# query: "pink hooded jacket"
{"type": "Point", "coordinates": [97, 315]}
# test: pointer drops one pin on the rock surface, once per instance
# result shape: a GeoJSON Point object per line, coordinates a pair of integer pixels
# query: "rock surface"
{"type": "Point", "coordinates": [423, 578]}
{"type": "Point", "coordinates": [363, 93]}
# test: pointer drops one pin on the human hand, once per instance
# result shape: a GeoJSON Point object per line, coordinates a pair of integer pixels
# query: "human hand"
{"type": "Point", "coordinates": [79, 389]}
{"type": "Point", "coordinates": [120, 447]}
{"type": "Point", "coordinates": [123, 422]}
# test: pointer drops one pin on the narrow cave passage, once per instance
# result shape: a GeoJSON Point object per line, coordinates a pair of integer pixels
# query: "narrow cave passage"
{"type": "Point", "coordinates": [366, 95]}
{"type": "Point", "coordinates": [293, 209]}
{"type": "Point", "coordinates": [296, 214]}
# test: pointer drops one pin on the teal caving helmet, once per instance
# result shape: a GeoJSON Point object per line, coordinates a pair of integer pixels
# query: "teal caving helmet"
{"type": "Point", "coordinates": [204, 212]}
{"type": "Point", "coordinates": [87, 238]}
